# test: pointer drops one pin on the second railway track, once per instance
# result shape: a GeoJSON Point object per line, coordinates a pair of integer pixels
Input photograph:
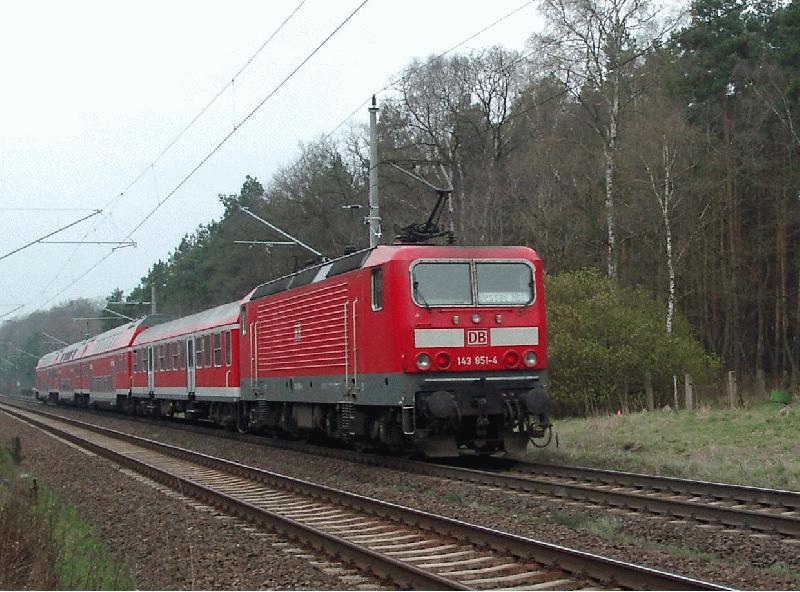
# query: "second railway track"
{"type": "Point", "coordinates": [758, 509]}
{"type": "Point", "coordinates": [408, 547]}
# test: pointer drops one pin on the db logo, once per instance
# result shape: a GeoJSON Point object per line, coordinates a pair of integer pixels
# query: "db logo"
{"type": "Point", "coordinates": [477, 337]}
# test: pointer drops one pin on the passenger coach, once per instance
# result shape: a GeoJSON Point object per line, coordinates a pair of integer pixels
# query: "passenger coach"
{"type": "Point", "coordinates": [189, 365]}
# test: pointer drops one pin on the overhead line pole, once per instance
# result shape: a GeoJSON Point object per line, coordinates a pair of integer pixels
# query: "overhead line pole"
{"type": "Point", "coordinates": [374, 217]}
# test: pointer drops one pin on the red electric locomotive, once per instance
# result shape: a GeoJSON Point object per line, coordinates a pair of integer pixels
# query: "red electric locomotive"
{"type": "Point", "coordinates": [442, 348]}
{"type": "Point", "coordinates": [438, 348]}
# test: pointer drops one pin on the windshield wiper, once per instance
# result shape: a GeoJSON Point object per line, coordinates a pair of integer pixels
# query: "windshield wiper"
{"type": "Point", "coordinates": [418, 293]}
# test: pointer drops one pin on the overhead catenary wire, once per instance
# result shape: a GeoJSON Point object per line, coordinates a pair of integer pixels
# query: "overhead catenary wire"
{"type": "Point", "coordinates": [111, 203]}
{"type": "Point", "coordinates": [217, 147]}
{"type": "Point", "coordinates": [428, 62]}
{"type": "Point", "coordinates": [245, 119]}
{"type": "Point", "coordinates": [45, 209]}
{"type": "Point", "coordinates": [652, 47]}
{"type": "Point", "coordinates": [48, 235]}
{"type": "Point", "coordinates": [236, 126]}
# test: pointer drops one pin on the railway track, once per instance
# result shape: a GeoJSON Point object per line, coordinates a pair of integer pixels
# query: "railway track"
{"type": "Point", "coordinates": [411, 548]}
{"type": "Point", "coordinates": [763, 510]}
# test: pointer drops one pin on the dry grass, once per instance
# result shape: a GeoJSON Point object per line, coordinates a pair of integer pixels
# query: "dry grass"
{"type": "Point", "coordinates": [45, 545]}
{"type": "Point", "coordinates": [755, 446]}
{"type": "Point", "coordinates": [29, 553]}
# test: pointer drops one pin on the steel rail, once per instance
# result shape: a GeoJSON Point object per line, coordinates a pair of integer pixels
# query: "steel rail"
{"type": "Point", "coordinates": [739, 517]}
{"type": "Point", "coordinates": [760, 520]}
{"type": "Point", "coordinates": [743, 493]}
{"type": "Point", "coordinates": [382, 566]}
{"type": "Point", "coordinates": [624, 574]}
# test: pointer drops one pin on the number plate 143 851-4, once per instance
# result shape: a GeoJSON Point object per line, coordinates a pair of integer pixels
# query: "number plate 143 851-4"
{"type": "Point", "coordinates": [476, 360]}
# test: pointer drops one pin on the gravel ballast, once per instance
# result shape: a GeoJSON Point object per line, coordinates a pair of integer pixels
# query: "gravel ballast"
{"type": "Point", "coordinates": [736, 558]}
{"type": "Point", "coordinates": [166, 541]}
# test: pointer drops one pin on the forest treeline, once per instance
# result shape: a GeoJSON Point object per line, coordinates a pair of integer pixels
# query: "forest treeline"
{"type": "Point", "coordinates": [658, 148]}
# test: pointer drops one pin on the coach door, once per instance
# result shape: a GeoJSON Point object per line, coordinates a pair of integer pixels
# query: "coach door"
{"type": "Point", "coordinates": [190, 365]}
{"type": "Point", "coordinates": [151, 379]}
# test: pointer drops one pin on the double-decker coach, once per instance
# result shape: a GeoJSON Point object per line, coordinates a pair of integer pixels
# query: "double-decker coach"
{"type": "Point", "coordinates": [94, 371]}
{"type": "Point", "coordinates": [189, 365]}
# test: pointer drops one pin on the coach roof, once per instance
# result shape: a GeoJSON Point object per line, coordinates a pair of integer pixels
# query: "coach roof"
{"type": "Point", "coordinates": [225, 314]}
{"type": "Point", "coordinates": [114, 339]}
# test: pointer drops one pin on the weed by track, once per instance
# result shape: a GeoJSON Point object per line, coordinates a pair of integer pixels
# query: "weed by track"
{"type": "Point", "coordinates": [45, 544]}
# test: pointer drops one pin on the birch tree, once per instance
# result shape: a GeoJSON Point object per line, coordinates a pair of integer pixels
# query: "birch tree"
{"type": "Point", "coordinates": [591, 46]}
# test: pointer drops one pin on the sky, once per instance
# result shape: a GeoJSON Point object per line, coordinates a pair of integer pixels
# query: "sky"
{"type": "Point", "coordinates": [93, 92]}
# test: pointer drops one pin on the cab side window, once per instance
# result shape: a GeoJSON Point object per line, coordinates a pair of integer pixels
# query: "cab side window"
{"type": "Point", "coordinates": [377, 288]}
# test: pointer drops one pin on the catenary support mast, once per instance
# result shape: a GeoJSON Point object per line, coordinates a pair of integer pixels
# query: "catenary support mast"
{"type": "Point", "coordinates": [374, 218]}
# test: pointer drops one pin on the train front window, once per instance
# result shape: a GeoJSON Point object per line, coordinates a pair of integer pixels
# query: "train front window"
{"type": "Point", "coordinates": [504, 283]}
{"type": "Point", "coordinates": [442, 284]}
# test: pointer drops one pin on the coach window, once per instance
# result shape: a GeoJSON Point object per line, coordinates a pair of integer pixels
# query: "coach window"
{"type": "Point", "coordinates": [217, 349]}
{"type": "Point", "coordinates": [182, 353]}
{"type": "Point", "coordinates": [227, 348]}
{"type": "Point", "coordinates": [174, 355]}
{"type": "Point", "coordinates": [135, 361]}
{"type": "Point", "coordinates": [160, 357]}
{"type": "Point", "coordinates": [207, 350]}
{"type": "Point", "coordinates": [377, 289]}
{"type": "Point", "coordinates": [198, 350]}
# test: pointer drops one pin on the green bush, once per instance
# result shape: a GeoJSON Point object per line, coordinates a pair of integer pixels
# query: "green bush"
{"type": "Point", "coordinates": [605, 340]}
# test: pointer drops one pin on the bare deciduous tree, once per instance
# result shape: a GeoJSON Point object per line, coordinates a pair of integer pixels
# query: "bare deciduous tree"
{"type": "Point", "coordinates": [592, 48]}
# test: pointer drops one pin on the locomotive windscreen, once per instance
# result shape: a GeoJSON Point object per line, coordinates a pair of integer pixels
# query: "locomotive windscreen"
{"type": "Point", "coordinates": [449, 283]}
{"type": "Point", "coordinates": [442, 284]}
{"type": "Point", "coordinates": [504, 283]}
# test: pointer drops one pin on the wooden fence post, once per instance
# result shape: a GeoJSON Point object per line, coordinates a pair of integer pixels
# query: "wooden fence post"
{"type": "Point", "coordinates": [675, 390]}
{"type": "Point", "coordinates": [732, 389]}
{"type": "Point", "coordinates": [688, 391]}
{"type": "Point", "coordinates": [761, 384]}
{"type": "Point", "coordinates": [16, 450]}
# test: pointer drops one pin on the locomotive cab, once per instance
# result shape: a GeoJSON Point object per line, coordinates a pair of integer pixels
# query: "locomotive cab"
{"type": "Point", "coordinates": [476, 350]}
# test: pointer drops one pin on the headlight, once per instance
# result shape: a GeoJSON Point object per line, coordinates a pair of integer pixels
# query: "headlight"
{"type": "Point", "coordinates": [442, 360]}
{"type": "Point", "coordinates": [530, 359]}
{"type": "Point", "coordinates": [423, 361]}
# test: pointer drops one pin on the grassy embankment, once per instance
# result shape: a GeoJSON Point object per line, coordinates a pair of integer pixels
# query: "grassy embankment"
{"type": "Point", "coordinates": [44, 544]}
{"type": "Point", "coordinates": [755, 446]}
